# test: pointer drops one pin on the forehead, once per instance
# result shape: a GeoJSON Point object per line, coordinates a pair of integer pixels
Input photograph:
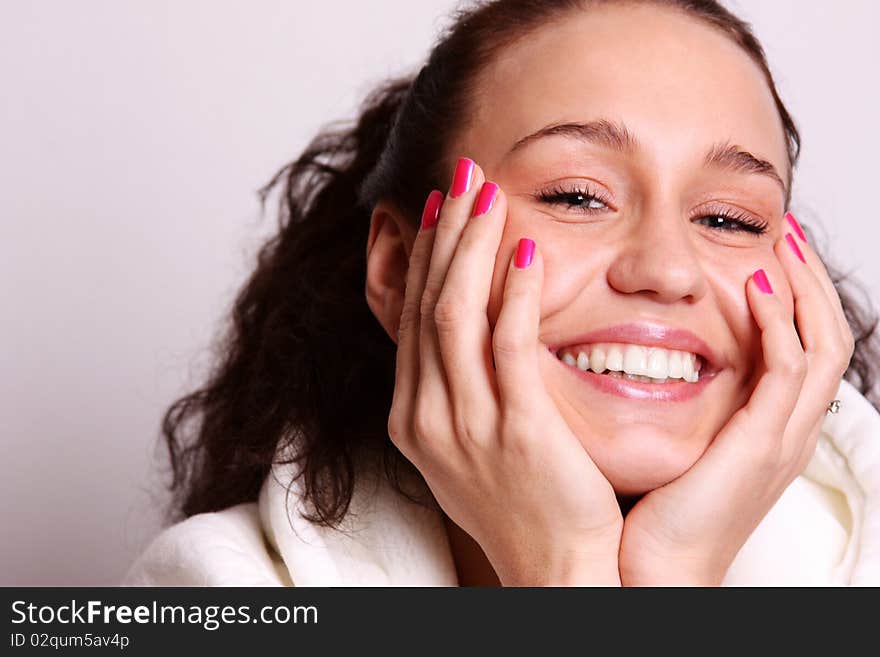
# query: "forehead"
{"type": "Point", "coordinates": [677, 83]}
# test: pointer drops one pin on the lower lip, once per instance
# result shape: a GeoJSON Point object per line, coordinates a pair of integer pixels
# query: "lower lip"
{"type": "Point", "coordinates": [659, 392]}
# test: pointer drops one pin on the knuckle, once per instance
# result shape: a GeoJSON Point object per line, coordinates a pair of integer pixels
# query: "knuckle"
{"type": "Point", "coordinates": [794, 365]}
{"type": "Point", "coordinates": [408, 318]}
{"type": "Point", "coordinates": [506, 343]}
{"type": "Point", "coordinates": [448, 313]}
{"type": "Point", "coordinates": [398, 415]}
{"type": "Point", "coordinates": [394, 428]}
{"type": "Point", "coordinates": [465, 432]}
{"type": "Point", "coordinates": [469, 239]}
{"type": "Point", "coordinates": [426, 425]}
{"type": "Point", "coordinates": [508, 338]}
{"type": "Point", "coordinates": [839, 356]}
{"type": "Point", "coordinates": [518, 293]}
{"type": "Point", "coordinates": [430, 292]}
{"type": "Point", "coordinates": [426, 305]}
{"type": "Point", "coordinates": [520, 439]}
{"type": "Point", "coordinates": [400, 435]}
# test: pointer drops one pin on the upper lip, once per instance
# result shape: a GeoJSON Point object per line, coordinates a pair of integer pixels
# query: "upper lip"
{"type": "Point", "coordinates": [649, 334]}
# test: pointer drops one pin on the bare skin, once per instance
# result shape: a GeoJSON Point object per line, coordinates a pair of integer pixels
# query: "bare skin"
{"type": "Point", "coordinates": [527, 461]}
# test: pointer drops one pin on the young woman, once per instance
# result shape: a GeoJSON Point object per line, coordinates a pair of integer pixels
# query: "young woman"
{"type": "Point", "coordinates": [605, 353]}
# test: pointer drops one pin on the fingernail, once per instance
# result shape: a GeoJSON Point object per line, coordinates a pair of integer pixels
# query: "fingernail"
{"type": "Point", "coordinates": [488, 192]}
{"type": "Point", "coordinates": [461, 181]}
{"type": "Point", "coordinates": [432, 209]}
{"type": "Point", "coordinates": [525, 252]}
{"type": "Point", "coordinates": [795, 226]}
{"type": "Point", "coordinates": [794, 246]}
{"type": "Point", "coordinates": [762, 282]}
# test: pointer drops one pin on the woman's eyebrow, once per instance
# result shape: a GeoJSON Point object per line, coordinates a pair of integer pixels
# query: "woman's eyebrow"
{"type": "Point", "coordinates": [616, 136]}
{"type": "Point", "coordinates": [601, 131]}
{"type": "Point", "coordinates": [733, 158]}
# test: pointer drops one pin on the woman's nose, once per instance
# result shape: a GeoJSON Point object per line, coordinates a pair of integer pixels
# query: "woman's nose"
{"type": "Point", "coordinates": [658, 259]}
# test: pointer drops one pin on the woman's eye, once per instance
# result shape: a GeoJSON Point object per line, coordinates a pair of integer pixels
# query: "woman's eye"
{"type": "Point", "coordinates": [730, 222]}
{"type": "Point", "coordinates": [576, 199]}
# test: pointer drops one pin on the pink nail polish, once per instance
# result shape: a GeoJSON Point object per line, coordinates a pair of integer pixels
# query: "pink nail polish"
{"type": "Point", "coordinates": [794, 246]}
{"type": "Point", "coordinates": [461, 181]}
{"type": "Point", "coordinates": [525, 253]}
{"type": "Point", "coordinates": [488, 192]}
{"type": "Point", "coordinates": [432, 209]}
{"type": "Point", "coordinates": [761, 280]}
{"type": "Point", "coordinates": [795, 226]}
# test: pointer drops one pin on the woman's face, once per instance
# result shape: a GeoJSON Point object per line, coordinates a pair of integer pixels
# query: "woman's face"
{"type": "Point", "coordinates": [672, 109]}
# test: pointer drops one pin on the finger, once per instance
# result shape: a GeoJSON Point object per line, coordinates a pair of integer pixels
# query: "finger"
{"type": "Point", "coordinates": [816, 320]}
{"type": "Point", "coordinates": [818, 267]}
{"type": "Point", "coordinates": [407, 376]}
{"type": "Point", "coordinates": [826, 348]}
{"type": "Point", "coordinates": [461, 314]}
{"type": "Point", "coordinates": [515, 338]}
{"type": "Point", "coordinates": [433, 382]}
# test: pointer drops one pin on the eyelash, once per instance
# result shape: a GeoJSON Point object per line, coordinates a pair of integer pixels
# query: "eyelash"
{"type": "Point", "coordinates": [739, 222]}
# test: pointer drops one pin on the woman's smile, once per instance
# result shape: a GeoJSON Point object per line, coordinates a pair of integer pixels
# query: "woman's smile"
{"type": "Point", "coordinates": [642, 361]}
{"type": "Point", "coordinates": [639, 387]}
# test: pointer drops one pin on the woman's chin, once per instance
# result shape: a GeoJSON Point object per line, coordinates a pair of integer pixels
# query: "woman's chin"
{"type": "Point", "coordinates": [629, 484]}
{"type": "Point", "coordinates": [638, 461]}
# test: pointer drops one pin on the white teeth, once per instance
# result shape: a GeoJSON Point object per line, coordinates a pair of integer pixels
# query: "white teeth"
{"type": "Point", "coordinates": [614, 359]}
{"type": "Point", "coordinates": [597, 359]}
{"type": "Point", "coordinates": [687, 365]}
{"type": "Point", "coordinates": [636, 362]}
{"type": "Point", "coordinates": [657, 367]}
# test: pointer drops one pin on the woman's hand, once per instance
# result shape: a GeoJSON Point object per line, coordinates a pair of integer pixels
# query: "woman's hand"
{"type": "Point", "coordinates": [490, 442]}
{"type": "Point", "coordinates": [690, 530]}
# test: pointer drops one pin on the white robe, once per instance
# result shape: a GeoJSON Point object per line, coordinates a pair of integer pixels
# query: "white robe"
{"type": "Point", "coordinates": [824, 530]}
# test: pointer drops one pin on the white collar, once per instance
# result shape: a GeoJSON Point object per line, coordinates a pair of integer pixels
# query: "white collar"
{"type": "Point", "coordinates": [385, 540]}
{"type": "Point", "coordinates": [389, 541]}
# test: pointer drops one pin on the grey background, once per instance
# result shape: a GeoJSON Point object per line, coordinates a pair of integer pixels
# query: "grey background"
{"type": "Point", "coordinates": [133, 136]}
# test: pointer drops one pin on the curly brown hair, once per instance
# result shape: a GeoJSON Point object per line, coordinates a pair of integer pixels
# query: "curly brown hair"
{"type": "Point", "coordinates": [304, 363]}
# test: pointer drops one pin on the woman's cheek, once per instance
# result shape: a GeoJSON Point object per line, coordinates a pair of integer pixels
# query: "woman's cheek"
{"type": "Point", "coordinates": [728, 278]}
{"type": "Point", "coordinates": [522, 223]}
{"type": "Point", "coordinates": [575, 274]}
